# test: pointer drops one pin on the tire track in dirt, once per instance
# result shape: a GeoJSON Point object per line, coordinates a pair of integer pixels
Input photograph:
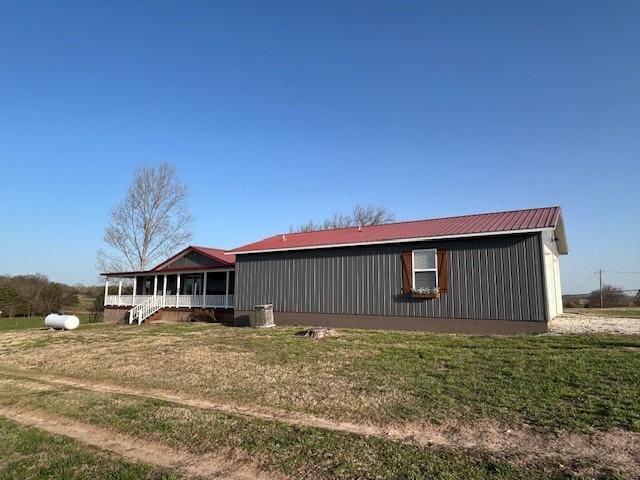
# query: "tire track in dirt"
{"type": "Point", "coordinates": [293, 418]}
{"type": "Point", "coordinates": [134, 449]}
{"type": "Point", "coordinates": [615, 448]}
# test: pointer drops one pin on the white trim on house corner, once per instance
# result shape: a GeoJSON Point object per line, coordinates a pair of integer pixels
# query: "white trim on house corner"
{"type": "Point", "coordinates": [397, 240]}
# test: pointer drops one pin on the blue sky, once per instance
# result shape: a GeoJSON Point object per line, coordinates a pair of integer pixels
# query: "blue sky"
{"type": "Point", "coordinates": [275, 113]}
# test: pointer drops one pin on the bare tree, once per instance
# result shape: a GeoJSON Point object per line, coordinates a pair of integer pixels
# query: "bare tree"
{"type": "Point", "coordinates": [360, 216]}
{"type": "Point", "coordinates": [149, 224]}
{"type": "Point", "coordinates": [611, 297]}
{"type": "Point", "coordinates": [370, 215]}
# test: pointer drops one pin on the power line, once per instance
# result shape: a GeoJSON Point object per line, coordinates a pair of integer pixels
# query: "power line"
{"type": "Point", "coordinates": [624, 273]}
{"type": "Point", "coordinates": [582, 284]}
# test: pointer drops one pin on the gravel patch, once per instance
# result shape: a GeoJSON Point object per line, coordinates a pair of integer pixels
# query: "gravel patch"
{"type": "Point", "coordinates": [577, 323]}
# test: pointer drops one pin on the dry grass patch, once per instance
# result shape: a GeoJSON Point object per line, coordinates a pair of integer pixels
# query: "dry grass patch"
{"type": "Point", "coordinates": [622, 312]}
{"type": "Point", "coordinates": [576, 383]}
{"type": "Point", "coordinates": [300, 452]}
{"type": "Point", "coordinates": [222, 364]}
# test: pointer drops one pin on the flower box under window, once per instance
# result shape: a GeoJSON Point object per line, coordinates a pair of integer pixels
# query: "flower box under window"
{"type": "Point", "coordinates": [425, 293]}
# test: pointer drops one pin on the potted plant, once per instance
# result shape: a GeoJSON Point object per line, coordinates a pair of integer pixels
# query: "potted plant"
{"type": "Point", "coordinates": [425, 292]}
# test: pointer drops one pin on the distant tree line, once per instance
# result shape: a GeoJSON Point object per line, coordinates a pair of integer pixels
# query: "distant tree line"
{"type": "Point", "coordinates": [611, 297]}
{"type": "Point", "coordinates": [28, 295]}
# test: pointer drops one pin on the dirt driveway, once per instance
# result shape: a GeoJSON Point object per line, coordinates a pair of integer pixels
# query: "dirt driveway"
{"type": "Point", "coordinates": [578, 323]}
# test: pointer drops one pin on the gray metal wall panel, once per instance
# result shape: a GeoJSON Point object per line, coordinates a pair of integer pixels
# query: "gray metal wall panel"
{"type": "Point", "coordinates": [489, 277]}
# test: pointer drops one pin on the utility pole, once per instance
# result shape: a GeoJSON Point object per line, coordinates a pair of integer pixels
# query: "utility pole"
{"type": "Point", "coordinates": [601, 297]}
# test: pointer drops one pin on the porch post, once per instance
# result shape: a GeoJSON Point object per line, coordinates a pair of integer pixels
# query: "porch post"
{"type": "Point", "coordinates": [106, 289]}
{"type": "Point", "coordinates": [119, 290]}
{"type": "Point", "coordinates": [155, 286]}
{"type": "Point", "coordinates": [226, 291]}
{"type": "Point", "coordinates": [204, 290]}
{"type": "Point", "coordinates": [178, 291]}
{"type": "Point", "coordinates": [164, 291]}
{"type": "Point", "coordinates": [135, 285]}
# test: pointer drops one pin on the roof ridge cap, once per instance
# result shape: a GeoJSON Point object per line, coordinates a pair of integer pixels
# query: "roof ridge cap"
{"type": "Point", "coordinates": [417, 220]}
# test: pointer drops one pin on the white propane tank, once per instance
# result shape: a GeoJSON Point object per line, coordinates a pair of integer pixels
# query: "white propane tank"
{"type": "Point", "coordinates": [61, 322]}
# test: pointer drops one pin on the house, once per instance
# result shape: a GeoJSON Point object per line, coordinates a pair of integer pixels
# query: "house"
{"type": "Point", "coordinates": [194, 278]}
{"type": "Point", "coordinates": [486, 273]}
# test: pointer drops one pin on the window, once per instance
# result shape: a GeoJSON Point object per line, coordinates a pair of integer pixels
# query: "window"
{"type": "Point", "coordinates": [425, 269]}
{"type": "Point", "coordinates": [191, 284]}
{"type": "Point", "coordinates": [160, 284]}
{"type": "Point", "coordinates": [216, 283]}
{"type": "Point", "coordinates": [144, 285]}
{"type": "Point", "coordinates": [232, 282]}
{"type": "Point", "coordinates": [147, 286]}
{"type": "Point", "coordinates": [172, 283]}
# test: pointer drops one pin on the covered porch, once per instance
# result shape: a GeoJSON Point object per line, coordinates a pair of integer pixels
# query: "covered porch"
{"type": "Point", "coordinates": [184, 289]}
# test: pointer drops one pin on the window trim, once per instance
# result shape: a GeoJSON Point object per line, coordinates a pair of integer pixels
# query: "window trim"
{"type": "Point", "coordinates": [414, 269]}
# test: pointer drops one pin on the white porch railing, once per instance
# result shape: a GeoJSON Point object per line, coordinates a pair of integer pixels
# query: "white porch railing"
{"type": "Point", "coordinates": [219, 300]}
{"type": "Point", "coordinates": [126, 300]}
{"type": "Point", "coordinates": [173, 301]}
{"type": "Point", "coordinates": [144, 310]}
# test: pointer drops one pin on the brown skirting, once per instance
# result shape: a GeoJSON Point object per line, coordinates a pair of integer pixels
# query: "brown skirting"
{"type": "Point", "coordinates": [115, 314]}
{"type": "Point", "coordinates": [181, 314]}
{"type": "Point", "coordinates": [118, 314]}
{"type": "Point", "coordinates": [426, 324]}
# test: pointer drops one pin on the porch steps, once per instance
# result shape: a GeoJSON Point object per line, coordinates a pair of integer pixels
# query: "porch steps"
{"type": "Point", "coordinates": [144, 310]}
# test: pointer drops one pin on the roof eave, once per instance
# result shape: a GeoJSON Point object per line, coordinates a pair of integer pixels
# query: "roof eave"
{"type": "Point", "coordinates": [115, 274]}
{"type": "Point", "coordinates": [171, 271]}
{"type": "Point", "coordinates": [398, 240]}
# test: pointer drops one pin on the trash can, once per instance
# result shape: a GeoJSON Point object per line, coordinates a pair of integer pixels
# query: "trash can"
{"type": "Point", "coordinates": [263, 316]}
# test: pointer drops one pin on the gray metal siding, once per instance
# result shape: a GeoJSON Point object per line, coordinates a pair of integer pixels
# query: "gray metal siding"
{"type": "Point", "coordinates": [489, 278]}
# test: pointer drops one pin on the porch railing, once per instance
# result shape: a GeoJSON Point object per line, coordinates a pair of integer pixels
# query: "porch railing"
{"type": "Point", "coordinates": [173, 301]}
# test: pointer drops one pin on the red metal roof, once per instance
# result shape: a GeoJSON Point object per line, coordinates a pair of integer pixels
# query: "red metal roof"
{"type": "Point", "coordinates": [467, 225]}
{"type": "Point", "coordinates": [217, 254]}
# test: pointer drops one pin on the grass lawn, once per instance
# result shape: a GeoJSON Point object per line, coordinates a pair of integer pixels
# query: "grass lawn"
{"type": "Point", "coordinates": [280, 448]}
{"type": "Point", "coordinates": [29, 453]}
{"type": "Point", "coordinates": [552, 383]}
{"type": "Point", "coordinates": [630, 312]}
{"type": "Point", "coordinates": [21, 323]}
